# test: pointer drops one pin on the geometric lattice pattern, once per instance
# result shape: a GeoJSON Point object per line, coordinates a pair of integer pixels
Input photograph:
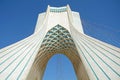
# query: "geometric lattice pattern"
{"type": "Point", "coordinates": [57, 39]}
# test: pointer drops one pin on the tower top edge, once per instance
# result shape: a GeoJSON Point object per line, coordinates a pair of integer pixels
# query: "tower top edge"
{"type": "Point", "coordinates": [58, 9]}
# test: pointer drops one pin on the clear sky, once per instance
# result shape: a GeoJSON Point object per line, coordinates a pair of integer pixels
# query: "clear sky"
{"type": "Point", "coordinates": [100, 18]}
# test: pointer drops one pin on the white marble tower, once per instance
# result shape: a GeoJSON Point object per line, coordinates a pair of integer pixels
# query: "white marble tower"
{"type": "Point", "coordinates": [59, 30]}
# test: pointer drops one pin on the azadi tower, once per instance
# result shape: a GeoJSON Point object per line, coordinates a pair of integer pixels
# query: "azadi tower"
{"type": "Point", "coordinates": [59, 30]}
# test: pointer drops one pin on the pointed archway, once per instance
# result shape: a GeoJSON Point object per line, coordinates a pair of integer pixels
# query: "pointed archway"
{"type": "Point", "coordinates": [57, 40]}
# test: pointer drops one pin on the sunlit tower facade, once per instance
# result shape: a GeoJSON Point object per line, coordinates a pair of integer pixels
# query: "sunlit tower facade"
{"type": "Point", "coordinates": [59, 30]}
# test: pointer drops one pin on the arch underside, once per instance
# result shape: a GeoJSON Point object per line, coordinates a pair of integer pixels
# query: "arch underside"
{"type": "Point", "coordinates": [57, 40]}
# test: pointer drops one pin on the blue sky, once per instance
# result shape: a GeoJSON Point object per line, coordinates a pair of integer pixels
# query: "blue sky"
{"type": "Point", "coordinates": [100, 18]}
